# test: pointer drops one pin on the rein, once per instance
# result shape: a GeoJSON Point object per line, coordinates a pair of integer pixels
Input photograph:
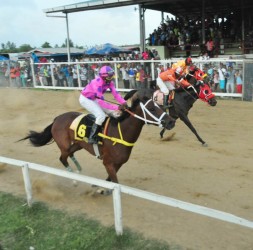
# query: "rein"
{"type": "Point", "coordinates": [144, 110]}
{"type": "Point", "coordinates": [193, 89]}
{"type": "Point", "coordinates": [120, 140]}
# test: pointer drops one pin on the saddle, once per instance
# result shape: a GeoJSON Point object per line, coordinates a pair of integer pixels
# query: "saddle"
{"type": "Point", "coordinates": [82, 127]}
{"type": "Point", "coordinates": [158, 97]}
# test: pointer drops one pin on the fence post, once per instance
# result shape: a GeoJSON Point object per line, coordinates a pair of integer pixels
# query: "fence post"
{"type": "Point", "coordinates": [117, 210]}
{"type": "Point", "coordinates": [33, 72]}
{"type": "Point", "coordinates": [78, 74]}
{"type": "Point", "coordinates": [28, 186]}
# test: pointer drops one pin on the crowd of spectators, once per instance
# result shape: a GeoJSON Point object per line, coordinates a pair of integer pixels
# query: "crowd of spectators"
{"type": "Point", "coordinates": [226, 78]}
{"type": "Point", "coordinates": [186, 33]}
{"type": "Point", "coordinates": [131, 75]}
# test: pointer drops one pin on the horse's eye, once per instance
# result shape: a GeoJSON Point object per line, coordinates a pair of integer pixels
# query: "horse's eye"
{"type": "Point", "coordinates": [206, 91]}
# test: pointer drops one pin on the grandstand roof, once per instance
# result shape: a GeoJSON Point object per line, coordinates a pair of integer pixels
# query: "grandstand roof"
{"type": "Point", "coordinates": [175, 7]}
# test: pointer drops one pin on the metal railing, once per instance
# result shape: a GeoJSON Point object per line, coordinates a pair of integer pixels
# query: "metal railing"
{"type": "Point", "coordinates": [117, 189]}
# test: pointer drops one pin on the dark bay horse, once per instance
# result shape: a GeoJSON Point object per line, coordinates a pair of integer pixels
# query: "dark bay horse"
{"type": "Point", "coordinates": [121, 133]}
{"type": "Point", "coordinates": [183, 100]}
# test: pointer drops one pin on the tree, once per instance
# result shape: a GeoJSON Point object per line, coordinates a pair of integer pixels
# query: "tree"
{"type": "Point", "coordinates": [71, 44]}
{"type": "Point", "coordinates": [46, 45]}
{"type": "Point", "coordinates": [79, 47]}
{"type": "Point", "coordinates": [9, 47]}
{"type": "Point", "coordinates": [25, 48]}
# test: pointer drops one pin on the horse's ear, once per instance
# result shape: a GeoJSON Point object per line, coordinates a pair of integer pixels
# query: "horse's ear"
{"type": "Point", "coordinates": [130, 94]}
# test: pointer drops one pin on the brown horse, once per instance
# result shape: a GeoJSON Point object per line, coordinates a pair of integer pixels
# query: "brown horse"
{"type": "Point", "coordinates": [117, 144]}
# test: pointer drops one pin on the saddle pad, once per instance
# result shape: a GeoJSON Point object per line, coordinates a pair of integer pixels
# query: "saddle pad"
{"type": "Point", "coordinates": [81, 127]}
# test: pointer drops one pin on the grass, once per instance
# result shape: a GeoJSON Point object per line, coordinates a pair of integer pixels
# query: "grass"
{"type": "Point", "coordinates": [40, 228]}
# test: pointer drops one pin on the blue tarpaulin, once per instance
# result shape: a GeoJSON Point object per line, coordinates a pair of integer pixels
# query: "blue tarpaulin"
{"type": "Point", "coordinates": [3, 58]}
{"type": "Point", "coordinates": [106, 49]}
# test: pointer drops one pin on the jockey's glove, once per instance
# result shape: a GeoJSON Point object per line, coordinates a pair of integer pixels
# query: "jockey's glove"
{"type": "Point", "coordinates": [122, 107]}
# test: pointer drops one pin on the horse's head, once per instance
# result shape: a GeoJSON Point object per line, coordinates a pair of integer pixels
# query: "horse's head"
{"type": "Point", "coordinates": [195, 74]}
{"type": "Point", "coordinates": [147, 110]}
{"type": "Point", "coordinates": [205, 94]}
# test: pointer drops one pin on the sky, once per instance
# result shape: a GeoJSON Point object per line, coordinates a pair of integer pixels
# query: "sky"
{"type": "Point", "coordinates": [24, 22]}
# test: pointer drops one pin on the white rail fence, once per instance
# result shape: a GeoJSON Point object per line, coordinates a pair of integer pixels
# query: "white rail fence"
{"type": "Point", "coordinates": [214, 62]}
{"type": "Point", "coordinates": [117, 190]}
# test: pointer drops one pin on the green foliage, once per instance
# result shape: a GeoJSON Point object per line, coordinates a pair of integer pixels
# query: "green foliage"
{"type": "Point", "coordinates": [71, 44]}
{"type": "Point", "coordinates": [22, 227]}
{"type": "Point", "coordinates": [25, 48]}
{"type": "Point", "coordinates": [9, 48]}
{"type": "Point", "coordinates": [46, 45]}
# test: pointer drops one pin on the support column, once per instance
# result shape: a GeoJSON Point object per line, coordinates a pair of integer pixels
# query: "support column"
{"type": "Point", "coordinates": [142, 27]}
{"type": "Point", "coordinates": [203, 22]}
{"type": "Point", "coordinates": [68, 48]}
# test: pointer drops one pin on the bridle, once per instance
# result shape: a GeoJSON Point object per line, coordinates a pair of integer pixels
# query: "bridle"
{"type": "Point", "coordinates": [145, 111]}
{"type": "Point", "coordinates": [202, 95]}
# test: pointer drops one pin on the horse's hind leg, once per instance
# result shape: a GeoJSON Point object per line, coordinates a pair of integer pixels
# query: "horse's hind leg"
{"type": "Point", "coordinates": [63, 159]}
{"type": "Point", "coordinates": [73, 148]}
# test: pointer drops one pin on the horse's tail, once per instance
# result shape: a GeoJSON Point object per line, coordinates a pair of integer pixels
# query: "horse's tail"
{"type": "Point", "coordinates": [130, 94]}
{"type": "Point", "coordinates": [40, 139]}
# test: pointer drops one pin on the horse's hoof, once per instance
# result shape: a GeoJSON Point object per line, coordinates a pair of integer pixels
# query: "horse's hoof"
{"type": "Point", "coordinates": [205, 144]}
{"type": "Point", "coordinates": [75, 183]}
{"type": "Point", "coordinates": [103, 191]}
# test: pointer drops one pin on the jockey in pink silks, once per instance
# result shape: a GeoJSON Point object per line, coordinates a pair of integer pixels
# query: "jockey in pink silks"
{"type": "Point", "coordinates": [92, 99]}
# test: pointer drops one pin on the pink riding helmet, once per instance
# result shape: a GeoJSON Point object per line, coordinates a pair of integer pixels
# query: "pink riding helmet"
{"type": "Point", "coordinates": [106, 71]}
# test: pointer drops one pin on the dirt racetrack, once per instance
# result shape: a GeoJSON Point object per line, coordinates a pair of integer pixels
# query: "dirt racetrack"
{"type": "Point", "coordinates": [219, 176]}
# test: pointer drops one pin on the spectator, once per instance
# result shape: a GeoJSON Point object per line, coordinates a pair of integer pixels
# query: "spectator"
{"type": "Point", "coordinates": [230, 86]}
{"type": "Point", "coordinates": [13, 77]}
{"type": "Point", "coordinates": [140, 78]}
{"type": "Point", "coordinates": [222, 74]}
{"type": "Point", "coordinates": [17, 70]}
{"type": "Point", "coordinates": [145, 54]}
{"type": "Point", "coordinates": [47, 74]}
{"type": "Point", "coordinates": [239, 82]}
{"type": "Point", "coordinates": [125, 76]}
{"type": "Point", "coordinates": [42, 75]}
{"type": "Point", "coordinates": [23, 76]}
{"type": "Point", "coordinates": [70, 79]}
{"type": "Point", "coordinates": [83, 75]}
{"type": "Point", "coordinates": [60, 77]}
{"type": "Point", "coordinates": [131, 72]}
{"type": "Point", "coordinates": [215, 80]}
{"type": "Point", "coordinates": [55, 74]}
{"type": "Point", "coordinates": [210, 47]}
{"type": "Point", "coordinates": [75, 76]}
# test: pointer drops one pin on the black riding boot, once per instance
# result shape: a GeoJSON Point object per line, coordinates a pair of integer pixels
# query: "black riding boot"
{"type": "Point", "coordinates": [93, 138]}
{"type": "Point", "coordinates": [165, 102]}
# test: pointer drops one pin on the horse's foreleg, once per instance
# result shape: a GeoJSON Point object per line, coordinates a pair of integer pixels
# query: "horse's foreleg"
{"type": "Point", "coordinates": [162, 132]}
{"type": "Point", "coordinates": [187, 122]}
{"type": "Point", "coordinates": [112, 172]}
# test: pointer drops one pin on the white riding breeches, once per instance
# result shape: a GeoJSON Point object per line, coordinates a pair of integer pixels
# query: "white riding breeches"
{"type": "Point", "coordinates": [93, 107]}
{"type": "Point", "coordinates": [164, 86]}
